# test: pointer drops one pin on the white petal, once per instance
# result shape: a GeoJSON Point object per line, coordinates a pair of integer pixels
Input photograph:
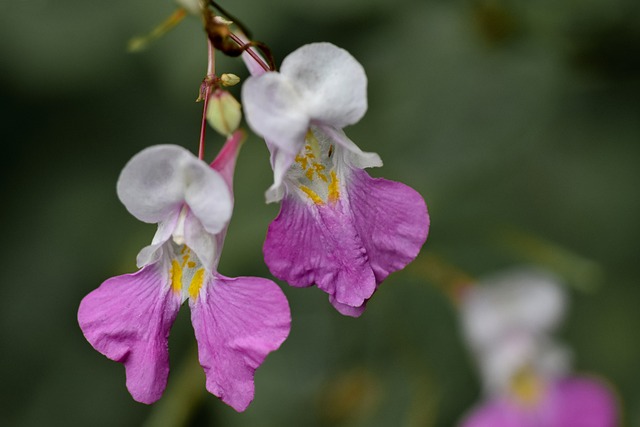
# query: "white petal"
{"type": "Point", "coordinates": [208, 195]}
{"type": "Point", "coordinates": [151, 185]}
{"type": "Point", "coordinates": [280, 163]}
{"type": "Point", "coordinates": [274, 111]}
{"type": "Point", "coordinates": [331, 83]}
{"type": "Point", "coordinates": [205, 245]}
{"type": "Point", "coordinates": [522, 301]}
{"type": "Point", "coordinates": [152, 253]}
{"type": "Point", "coordinates": [156, 183]}
{"type": "Point", "coordinates": [355, 156]}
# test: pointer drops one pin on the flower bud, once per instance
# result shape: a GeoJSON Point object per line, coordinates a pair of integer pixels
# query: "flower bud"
{"type": "Point", "coordinates": [223, 113]}
{"type": "Point", "coordinates": [228, 79]}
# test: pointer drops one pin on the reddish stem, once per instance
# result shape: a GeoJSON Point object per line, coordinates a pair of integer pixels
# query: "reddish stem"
{"type": "Point", "coordinates": [211, 74]}
{"type": "Point", "coordinates": [251, 52]}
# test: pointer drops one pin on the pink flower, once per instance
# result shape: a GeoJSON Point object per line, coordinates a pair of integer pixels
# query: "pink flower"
{"type": "Point", "coordinates": [237, 321]}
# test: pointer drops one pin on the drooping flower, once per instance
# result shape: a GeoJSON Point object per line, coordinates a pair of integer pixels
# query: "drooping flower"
{"type": "Point", "coordinates": [337, 228]}
{"type": "Point", "coordinates": [237, 321]}
{"type": "Point", "coordinates": [508, 323]}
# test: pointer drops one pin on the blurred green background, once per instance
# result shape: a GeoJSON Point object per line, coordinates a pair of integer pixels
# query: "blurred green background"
{"type": "Point", "coordinates": [519, 122]}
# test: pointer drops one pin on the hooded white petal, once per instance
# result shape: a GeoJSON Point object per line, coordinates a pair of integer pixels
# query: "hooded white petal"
{"type": "Point", "coordinates": [155, 184]}
{"type": "Point", "coordinates": [275, 111]}
{"type": "Point", "coordinates": [151, 185]}
{"type": "Point", "coordinates": [207, 195]}
{"type": "Point", "coordinates": [331, 83]}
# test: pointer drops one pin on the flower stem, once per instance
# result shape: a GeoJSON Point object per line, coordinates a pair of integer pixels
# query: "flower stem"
{"type": "Point", "coordinates": [206, 92]}
{"type": "Point", "coordinates": [240, 42]}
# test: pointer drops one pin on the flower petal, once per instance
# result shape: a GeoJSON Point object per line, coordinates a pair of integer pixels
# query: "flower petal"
{"type": "Point", "coordinates": [156, 183]}
{"type": "Point", "coordinates": [355, 157]}
{"type": "Point", "coordinates": [274, 110]}
{"type": "Point", "coordinates": [391, 219]}
{"type": "Point", "coordinates": [207, 195]}
{"type": "Point", "coordinates": [347, 310]}
{"type": "Point", "coordinates": [281, 161]}
{"type": "Point", "coordinates": [128, 320]}
{"type": "Point", "coordinates": [572, 402]}
{"type": "Point", "coordinates": [331, 83]}
{"type": "Point", "coordinates": [309, 243]}
{"type": "Point", "coordinates": [238, 322]}
{"type": "Point", "coordinates": [583, 402]}
{"type": "Point", "coordinates": [151, 185]}
{"type": "Point", "coordinates": [518, 301]}
{"type": "Point", "coordinates": [499, 412]}
{"type": "Point", "coordinates": [225, 161]}
{"type": "Point", "coordinates": [205, 245]}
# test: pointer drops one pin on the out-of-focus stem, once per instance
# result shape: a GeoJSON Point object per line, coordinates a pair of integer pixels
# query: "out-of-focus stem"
{"type": "Point", "coordinates": [211, 74]}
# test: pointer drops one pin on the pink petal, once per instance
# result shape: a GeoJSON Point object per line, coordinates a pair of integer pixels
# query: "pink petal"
{"type": "Point", "coordinates": [572, 402]}
{"type": "Point", "coordinates": [583, 402]}
{"type": "Point", "coordinates": [309, 243]}
{"type": "Point", "coordinates": [128, 320]}
{"type": "Point", "coordinates": [391, 219]}
{"type": "Point", "coordinates": [225, 161]}
{"type": "Point", "coordinates": [238, 322]}
{"type": "Point", "coordinates": [348, 248]}
{"type": "Point", "coordinates": [501, 412]}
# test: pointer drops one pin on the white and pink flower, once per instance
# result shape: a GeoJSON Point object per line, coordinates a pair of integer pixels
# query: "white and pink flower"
{"type": "Point", "coordinates": [338, 228]}
{"type": "Point", "coordinates": [508, 321]}
{"type": "Point", "coordinates": [237, 321]}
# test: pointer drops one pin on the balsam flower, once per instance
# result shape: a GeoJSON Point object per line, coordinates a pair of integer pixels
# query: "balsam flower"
{"type": "Point", "coordinates": [508, 321]}
{"type": "Point", "coordinates": [237, 321]}
{"type": "Point", "coordinates": [337, 228]}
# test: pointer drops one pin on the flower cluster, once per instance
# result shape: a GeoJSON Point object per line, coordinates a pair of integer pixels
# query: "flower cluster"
{"type": "Point", "coordinates": [508, 321]}
{"type": "Point", "coordinates": [338, 228]}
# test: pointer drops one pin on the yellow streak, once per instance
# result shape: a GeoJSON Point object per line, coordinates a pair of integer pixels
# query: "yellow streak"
{"type": "Point", "coordinates": [191, 264]}
{"type": "Point", "coordinates": [312, 195]}
{"type": "Point", "coordinates": [334, 189]}
{"type": "Point", "coordinates": [527, 387]}
{"type": "Point", "coordinates": [196, 283]}
{"type": "Point", "coordinates": [176, 276]}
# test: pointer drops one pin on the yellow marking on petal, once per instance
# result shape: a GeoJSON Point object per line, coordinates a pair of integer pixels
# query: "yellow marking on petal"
{"type": "Point", "coordinates": [309, 174]}
{"type": "Point", "coordinates": [334, 189]}
{"type": "Point", "coordinates": [191, 264]}
{"type": "Point", "coordinates": [322, 176]}
{"type": "Point", "coordinates": [196, 283]}
{"type": "Point", "coordinates": [184, 249]}
{"type": "Point", "coordinates": [185, 258]}
{"type": "Point", "coordinates": [312, 195]}
{"type": "Point", "coordinates": [303, 162]}
{"type": "Point", "coordinates": [527, 387]}
{"type": "Point", "coordinates": [176, 276]}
